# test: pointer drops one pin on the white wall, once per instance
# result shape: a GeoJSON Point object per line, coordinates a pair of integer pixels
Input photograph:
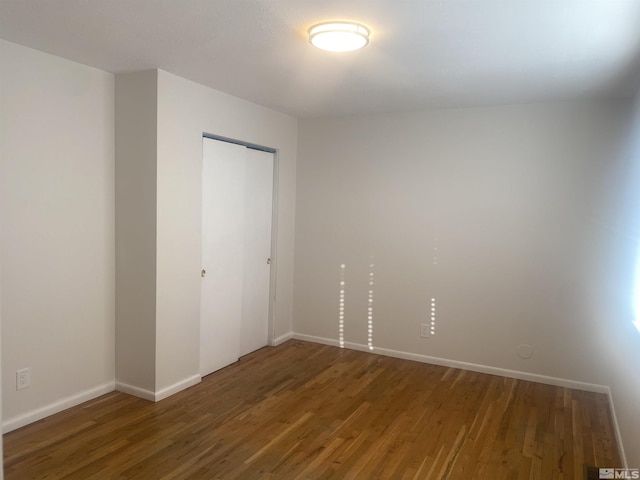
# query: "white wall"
{"type": "Point", "coordinates": [186, 110]}
{"type": "Point", "coordinates": [519, 200]}
{"type": "Point", "coordinates": [618, 247]}
{"type": "Point", "coordinates": [57, 216]}
{"type": "Point", "coordinates": [135, 187]}
{"type": "Point", "coordinates": [1, 442]}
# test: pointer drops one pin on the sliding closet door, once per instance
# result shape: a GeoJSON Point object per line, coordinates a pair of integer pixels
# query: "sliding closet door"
{"type": "Point", "coordinates": [237, 200]}
{"type": "Point", "coordinates": [223, 197]}
{"type": "Point", "coordinates": [257, 250]}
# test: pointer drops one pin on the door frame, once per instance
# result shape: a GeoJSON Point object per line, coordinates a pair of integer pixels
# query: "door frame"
{"type": "Point", "coordinates": [274, 224]}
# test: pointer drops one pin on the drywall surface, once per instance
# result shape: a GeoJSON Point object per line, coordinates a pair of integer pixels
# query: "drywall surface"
{"type": "Point", "coordinates": [57, 216]}
{"type": "Point", "coordinates": [503, 215]}
{"type": "Point", "coordinates": [135, 186]}
{"type": "Point", "coordinates": [617, 303]}
{"type": "Point", "coordinates": [186, 111]}
{"type": "Point", "coordinates": [1, 442]}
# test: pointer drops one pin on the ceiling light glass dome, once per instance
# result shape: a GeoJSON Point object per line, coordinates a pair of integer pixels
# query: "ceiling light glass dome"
{"type": "Point", "coordinates": [339, 36]}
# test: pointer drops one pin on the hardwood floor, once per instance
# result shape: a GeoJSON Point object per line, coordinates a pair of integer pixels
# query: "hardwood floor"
{"type": "Point", "coordinates": [309, 411]}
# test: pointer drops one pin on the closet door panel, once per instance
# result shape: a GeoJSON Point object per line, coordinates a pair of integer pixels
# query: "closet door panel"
{"type": "Point", "coordinates": [223, 234]}
{"type": "Point", "coordinates": [257, 250]}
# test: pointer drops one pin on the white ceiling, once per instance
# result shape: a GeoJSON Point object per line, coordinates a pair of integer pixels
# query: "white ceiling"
{"type": "Point", "coordinates": [422, 54]}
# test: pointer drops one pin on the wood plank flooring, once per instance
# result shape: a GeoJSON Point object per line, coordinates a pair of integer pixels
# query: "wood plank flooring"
{"type": "Point", "coordinates": [308, 411]}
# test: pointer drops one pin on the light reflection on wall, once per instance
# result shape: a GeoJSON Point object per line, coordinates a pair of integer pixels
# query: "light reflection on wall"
{"type": "Point", "coordinates": [433, 300]}
{"type": "Point", "coordinates": [636, 305]}
{"type": "Point", "coordinates": [341, 306]}
{"type": "Point", "coordinates": [370, 309]}
{"type": "Point", "coordinates": [435, 251]}
{"type": "Point", "coordinates": [636, 300]}
{"type": "Point", "coordinates": [433, 316]}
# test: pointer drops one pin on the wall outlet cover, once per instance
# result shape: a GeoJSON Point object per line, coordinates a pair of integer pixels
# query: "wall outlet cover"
{"type": "Point", "coordinates": [424, 330]}
{"type": "Point", "coordinates": [23, 378]}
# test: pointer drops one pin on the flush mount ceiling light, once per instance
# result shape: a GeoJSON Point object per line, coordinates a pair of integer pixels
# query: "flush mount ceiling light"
{"type": "Point", "coordinates": [339, 36]}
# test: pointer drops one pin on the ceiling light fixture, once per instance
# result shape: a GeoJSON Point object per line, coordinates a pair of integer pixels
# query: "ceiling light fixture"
{"type": "Point", "coordinates": [339, 36]}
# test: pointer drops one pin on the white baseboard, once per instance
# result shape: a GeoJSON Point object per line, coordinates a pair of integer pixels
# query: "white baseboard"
{"type": "Point", "coordinates": [67, 402]}
{"type": "Point", "coordinates": [160, 394]}
{"type": "Point", "coordinates": [616, 429]}
{"type": "Point", "coordinates": [136, 391]}
{"type": "Point", "coordinates": [281, 339]}
{"type": "Point", "coordinates": [18, 421]}
{"type": "Point", "coordinates": [176, 387]}
{"type": "Point", "coordinates": [474, 367]}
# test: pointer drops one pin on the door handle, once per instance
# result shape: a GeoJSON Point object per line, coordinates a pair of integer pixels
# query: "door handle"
{"type": "Point", "coordinates": [203, 272]}
{"type": "Point", "coordinates": [268, 261]}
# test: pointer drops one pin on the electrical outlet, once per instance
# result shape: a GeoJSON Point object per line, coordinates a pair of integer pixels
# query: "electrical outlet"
{"type": "Point", "coordinates": [424, 330]}
{"type": "Point", "coordinates": [23, 378]}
